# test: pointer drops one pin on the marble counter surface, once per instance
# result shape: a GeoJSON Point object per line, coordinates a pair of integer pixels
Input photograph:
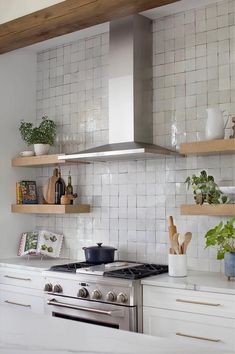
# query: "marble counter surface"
{"type": "Point", "coordinates": [22, 333]}
{"type": "Point", "coordinates": [201, 281]}
{"type": "Point", "coordinates": [33, 263]}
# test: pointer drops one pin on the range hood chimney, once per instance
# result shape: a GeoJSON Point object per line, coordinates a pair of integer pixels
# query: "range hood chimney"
{"type": "Point", "coordinates": [130, 95]}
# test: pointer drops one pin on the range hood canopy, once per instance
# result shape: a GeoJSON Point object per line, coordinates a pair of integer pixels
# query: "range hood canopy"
{"type": "Point", "coordinates": [130, 95]}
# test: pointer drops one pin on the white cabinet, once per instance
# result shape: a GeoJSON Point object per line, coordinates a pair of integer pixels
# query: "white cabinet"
{"type": "Point", "coordinates": [21, 289]}
{"type": "Point", "coordinates": [198, 302]}
{"type": "Point", "coordinates": [190, 316]}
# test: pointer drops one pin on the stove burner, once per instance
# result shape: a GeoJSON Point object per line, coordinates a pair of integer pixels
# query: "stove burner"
{"type": "Point", "coordinates": [70, 267]}
{"type": "Point", "coordinates": [138, 272]}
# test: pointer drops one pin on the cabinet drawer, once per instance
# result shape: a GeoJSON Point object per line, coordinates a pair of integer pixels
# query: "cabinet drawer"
{"type": "Point", "coordinates": [217, 333]}
{"type": "Point", "coordinates": [21, 301]}
{"type": "Point", "coordinates": [190, 301]}
{"type": "Point", "coordinates": [22, 278]}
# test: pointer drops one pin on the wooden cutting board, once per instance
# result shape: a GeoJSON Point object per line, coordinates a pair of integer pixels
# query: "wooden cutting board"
{"type": "Point", "coordinates": [48, 190]}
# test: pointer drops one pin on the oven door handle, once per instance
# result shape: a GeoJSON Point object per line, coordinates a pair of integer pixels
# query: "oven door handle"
{"type": "Point", "coordinates": [114, 313]}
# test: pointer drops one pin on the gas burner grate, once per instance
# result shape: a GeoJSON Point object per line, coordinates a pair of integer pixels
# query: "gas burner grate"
{"type": "Point", "coordinates": [70, 267]}
{"type": "Point", "coordinates": [138, 272]}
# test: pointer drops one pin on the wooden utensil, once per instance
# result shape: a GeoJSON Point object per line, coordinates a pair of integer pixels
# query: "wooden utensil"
{"type": "Point", "coordinates": [175, 243]}
{"type": "Point", "coordinates": [49, 189]}
{"type": "Point", "coordinates": [172, 230]}
{"type": "Point", "coordinates": [188, 237]}
{"type": "Point", "coordinates": [181, 239]}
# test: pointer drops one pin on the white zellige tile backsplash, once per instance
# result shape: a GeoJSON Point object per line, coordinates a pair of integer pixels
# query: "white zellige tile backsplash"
{"type": "Point", "coordinates": [193, 68]}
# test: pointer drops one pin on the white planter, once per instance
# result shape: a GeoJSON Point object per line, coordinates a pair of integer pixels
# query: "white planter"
{"type": "Point", "coordinates": [41, 149]}
{"type": "Point", "coordinates": [177, 264]}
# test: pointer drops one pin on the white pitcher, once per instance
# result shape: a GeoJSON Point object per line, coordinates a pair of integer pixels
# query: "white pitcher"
{"type": "Point", "coordinates": [215, 125]}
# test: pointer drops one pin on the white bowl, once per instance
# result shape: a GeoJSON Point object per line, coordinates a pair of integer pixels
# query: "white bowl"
{"type": "Point", "coordinates": [227, 189]}
{"type": "Point", "coordinates": [26, 153]}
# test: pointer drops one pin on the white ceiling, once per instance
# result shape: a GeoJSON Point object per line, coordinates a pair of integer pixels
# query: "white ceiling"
{"type": "Point", "coordinates": [183, 5]}
{"type": "Point", "coordinates": [11, 9]}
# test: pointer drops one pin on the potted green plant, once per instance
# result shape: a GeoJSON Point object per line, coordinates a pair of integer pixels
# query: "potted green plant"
{"type": "Point", "coordinates": [205, 190]}
{"type": "Point", "coordinates": [41, 137]}
{"type": "Point", "coordinates": [222, 236]}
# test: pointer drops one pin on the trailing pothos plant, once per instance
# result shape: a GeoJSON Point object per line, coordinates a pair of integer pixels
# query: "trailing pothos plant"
{"type": "Point", "coordinates": [205, 190]}
{"type": "Point", "coordinates": [222, 236]}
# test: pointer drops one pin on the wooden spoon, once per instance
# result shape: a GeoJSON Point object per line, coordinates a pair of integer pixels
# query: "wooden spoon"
{"type": "Point", "coordinates": [181, 240]}
{"type": "Point", "coordinates": [188, 237]}
{"type": "Point", "coordinates": [175, 243]}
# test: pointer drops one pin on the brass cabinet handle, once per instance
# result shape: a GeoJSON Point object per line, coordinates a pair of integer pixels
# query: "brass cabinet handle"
{"type": "Point", "coordinates": [16, 278]}
{"type": "Point", "coordinates": [197, 302]}
{"type": "Point", "coordinates": [16, 303]}
{"type": "Point", "coordinates": [197, 337]}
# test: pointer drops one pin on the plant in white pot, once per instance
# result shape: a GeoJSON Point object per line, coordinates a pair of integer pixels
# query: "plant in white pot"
{"type": "Point", "coordinates": [41, 137]}
{"type": "Point", "coordinates": [222, 236]}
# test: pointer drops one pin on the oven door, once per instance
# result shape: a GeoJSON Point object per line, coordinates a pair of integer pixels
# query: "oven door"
{"type": "Point", "coordinates": [108, 315]}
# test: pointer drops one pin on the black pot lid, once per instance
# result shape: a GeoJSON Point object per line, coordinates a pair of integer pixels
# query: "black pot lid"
{"type": "Point", "coordinates": [99, 247]}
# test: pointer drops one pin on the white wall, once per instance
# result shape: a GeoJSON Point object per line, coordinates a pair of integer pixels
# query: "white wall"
{"type": "Point", "coordinates": [12, 9]}
{"type": "Point", "coordinates": [17, 101]}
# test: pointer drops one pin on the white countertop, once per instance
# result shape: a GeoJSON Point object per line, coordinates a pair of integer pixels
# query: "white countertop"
{"type": "Point", "coordinates": [22, 333]}
{"type": "Point", "coordinates": [201, 281]}
{"type": "Point", "coordinates": [34, 263]}
{"type": "Point", "coordinates": [196, 280]}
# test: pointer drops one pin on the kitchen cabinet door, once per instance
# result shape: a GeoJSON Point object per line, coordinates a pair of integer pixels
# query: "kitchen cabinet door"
{"type": "Point", "coordinates": [23, 301]}
{"type": "Point", "coordinates": [207, 331]}
{"type": "Point", "coordinates": [199, 302]}
{"type": "Point", "coordinates": [21, 278]}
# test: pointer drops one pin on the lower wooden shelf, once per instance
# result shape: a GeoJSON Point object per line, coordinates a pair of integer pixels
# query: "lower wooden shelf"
{"type": "Point", "coordinates": [208, 209]}
{"type": "Point", "coordinates": [50, 209]}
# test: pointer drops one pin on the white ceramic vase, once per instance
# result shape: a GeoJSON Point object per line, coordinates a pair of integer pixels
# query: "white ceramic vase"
{"type": "Point", "coordinates": [214, 124]}
{"type": "Point", "coordinates": [41, 149]}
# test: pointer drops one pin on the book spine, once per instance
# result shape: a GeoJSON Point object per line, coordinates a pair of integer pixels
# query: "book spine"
{"type": "Point", "coordinates": [19, 197]}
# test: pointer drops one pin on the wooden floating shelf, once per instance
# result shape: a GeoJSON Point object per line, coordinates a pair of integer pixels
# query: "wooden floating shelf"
{"type": "Point", "coordinates": [50, 208]}
{"type": "Point", "coordinates": [208, 147]}
{"type": "Point", "coordinates": [43, 160]}
{"type": "Point", "coordinates": [208, 209]}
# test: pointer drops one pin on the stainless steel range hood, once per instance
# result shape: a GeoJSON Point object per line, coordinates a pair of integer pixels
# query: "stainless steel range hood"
{"type": "Point", "coordinates": [130, 95]}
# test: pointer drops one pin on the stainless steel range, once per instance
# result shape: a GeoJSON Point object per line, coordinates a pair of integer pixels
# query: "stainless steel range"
{"type": "Point", "coordinates": [107, 294]}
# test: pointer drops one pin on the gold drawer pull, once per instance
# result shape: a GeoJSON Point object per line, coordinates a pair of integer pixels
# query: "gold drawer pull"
{"type": "Point", "coordinates": [16, 303]}
{"type": "Point", "coordinates": [197, 302]}
{"type": "Point", "coordinates": [16, 278]}
{"type": "Point", "coordinates": [197, 337]}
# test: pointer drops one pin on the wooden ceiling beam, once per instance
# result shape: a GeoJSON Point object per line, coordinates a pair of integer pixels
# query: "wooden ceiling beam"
{"type": "Point", "coordinates": [66, 17]}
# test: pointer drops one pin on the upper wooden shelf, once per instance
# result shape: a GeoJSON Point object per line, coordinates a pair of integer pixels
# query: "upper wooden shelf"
{"type": "Point", "coordinates": [50, 208]}
{"type": "Point", "coordinates": [208, 147]}
{"type": "Point", "coordinates": [208, 209]}
{"type": "Point", "coordinates": [43, 160]}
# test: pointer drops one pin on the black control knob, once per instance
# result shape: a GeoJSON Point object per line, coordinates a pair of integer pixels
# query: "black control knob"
{"type": "Point", "coordinates": [48, 287]}
{"type": "Point", "coordinates": [96, 295]}
{"type": "Point", "coordinates": [122, 298]}
{"type": "Point", "coordinates": [83, 292]}
{"type": "Point", "coordinates": [57, 288]}
{"type": "Point", "coordinates": [111, 296]}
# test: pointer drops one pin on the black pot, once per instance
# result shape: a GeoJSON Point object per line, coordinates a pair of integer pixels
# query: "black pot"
{"type": "Point", "coordinates": [99, 254]}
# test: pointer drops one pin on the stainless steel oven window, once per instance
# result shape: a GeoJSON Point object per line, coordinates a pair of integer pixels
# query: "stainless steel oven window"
{"type": "Point", "coordinates": [85, 320]}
